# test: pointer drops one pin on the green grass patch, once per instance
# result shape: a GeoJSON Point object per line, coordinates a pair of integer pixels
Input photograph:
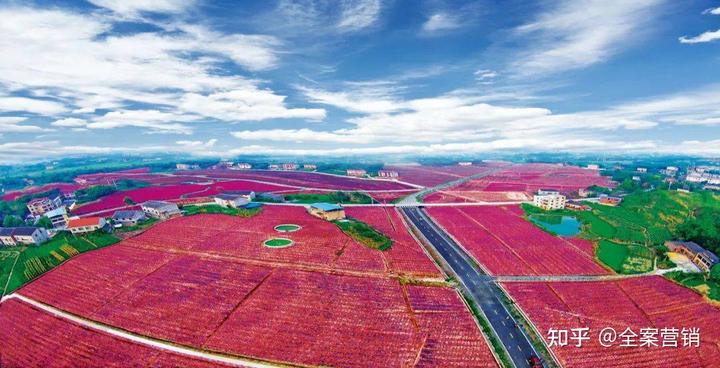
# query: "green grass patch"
{"type": "Point", "coordinates": [190, 210]}
{"type": "Point", "coordinates": [34, 261]}
{"type": "Point", "coordinates": [626, 259]}
{"type": "Point", "coordinates": [287, 228]}
{"type": "Point", "coordinates": [278, 243]}
{"type": "Point", "coordinates": [333, 197]}
{"type": "Point", "coordinates": [698, 282]}
{"type": "Point", "coordinates": [364, 234]}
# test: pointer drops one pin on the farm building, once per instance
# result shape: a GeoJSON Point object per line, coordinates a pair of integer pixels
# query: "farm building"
{"type": "Point", "coordinates": [310, 167]}
{"type": "Point", "coordinates": [160, 209]}
{"type": "Point", "coordinates": [58, 217]}
{"type": "Point", "coordinates": [577, 206]}
{"type": "Point", "coordinates": [242, 166]}
{"type": "Point", "coordinates": [39, 206]}
{"type": "Point", "coordinates": [702, 257]}
{"type": "Point", "coordinates": [327, 211]}
{"type": "Point", "coordinates": [465, 163]}
{"type": "Point", "coordinates": [128, 217]}
{"type": "Point", "coordinates": [549, 201]}
{"type": "Point", "coordinates": [231, 200]}
{"type": "Point", "coordinates": [187, 166]}
{"type": "Point", "coordinates": [388, 174]}
{"type": "Point", "coordinates": [85, 225]}
{"type": "Point", "coordinates": [289, 166]}
{"type": "Point", "coordinates": [356, 172]}
{"type": "Point", "coordinates": [11, 236]}
{"type": "Point", "coordinates": [609, 201]}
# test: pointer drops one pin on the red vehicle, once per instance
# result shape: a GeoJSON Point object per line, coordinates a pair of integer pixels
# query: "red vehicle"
{"type": "Point", "coordinates": [535, 362]}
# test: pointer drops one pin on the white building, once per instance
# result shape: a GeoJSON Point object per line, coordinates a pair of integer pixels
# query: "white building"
{"type": "Point", "coordinates": [128, 217]}
{"type": "Point", "coordinates": [231, 200]}
{"type": "Point", "coordinates": [242, 166]}
{"type": "Point", "coordinates": [85, 224]}
{"type": "Point", "coordinates": [58, 217]}
{"type": "Point", "coordinates": [11, 236]}
{"type": "Point", "coordinates": [465, 163]}
{"type": "Point", "coordinates": [187, 166]}
{"type": "Point", "coordinates": [289, 166]}
{"type": "Point", "coordinates": [160, 209]}
{"type": "Point", "coordinates": [356, 172]}
{"type": "Point", "coordinates": [641, 169]}
{"type": "Point", "coordinates": [550, 201]}
{"type": "Point", "coordinates": [593, 167]}
{"type": "Point", "coordinates": [544, 192]}
{"type": "Point", "coordinates": [388, 174]}
{"type": "Point", "coordinates": [310, 167]}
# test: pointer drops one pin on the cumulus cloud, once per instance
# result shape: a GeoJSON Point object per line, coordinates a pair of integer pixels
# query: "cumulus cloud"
{"type": "Point", "coordinates": [31, 105]}
{"type": "Point", "coordinates": [11, 124]}
{"type": "Point", "coordinates": [708, 36]}
{"type": "Point", "coordinates": [574, 34]}
{"type": "Point", "coordinates": [68, 56]}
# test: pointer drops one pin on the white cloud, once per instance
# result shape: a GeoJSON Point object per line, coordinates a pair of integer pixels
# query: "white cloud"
{"type": "Point", "coordinates": [198, 144]}
{"type": "Point", "coordinates": [156, 121]}
{"type": "Point", "coordinates": [133, 7]}
{"type": "Point", "coordinates": [440, 22]}
{"type": "Point", "coordinates": [10, 124]}
{"type": "Point", "coordinates": [247, 103]}
{"type": "Point", "coordinates": [31, 105]}
{"type": "Point", "coordinates": [576, 34]}
{"type": "Point", "coordinates": [65, 56]}
{"type": "Point", "coordinates": [708, 36]}
{"type": "Point", "coordinates": [69, 122]}
{"type": "Point", "coordinates": [358, 14]}
{"type": "Point", "coordinates": [299, 135]}
{"type": "Point", "coordinates": [713, 11]}
{"type": "Point", "coordinates": [485, 76]}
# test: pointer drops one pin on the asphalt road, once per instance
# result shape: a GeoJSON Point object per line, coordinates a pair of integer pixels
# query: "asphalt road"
{"type": "Point", "coordinates": [478, 285]}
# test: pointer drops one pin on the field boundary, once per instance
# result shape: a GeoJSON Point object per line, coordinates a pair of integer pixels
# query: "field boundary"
{"type": "Point", "coordinates": [148, 341]}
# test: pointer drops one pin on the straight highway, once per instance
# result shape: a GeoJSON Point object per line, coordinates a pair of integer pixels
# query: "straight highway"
{"type": "Point", "coordinates": [479, 286]}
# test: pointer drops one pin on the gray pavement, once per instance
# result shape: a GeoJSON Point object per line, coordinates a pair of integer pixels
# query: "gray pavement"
{"type": "Point", "coordinates": [480, 287]}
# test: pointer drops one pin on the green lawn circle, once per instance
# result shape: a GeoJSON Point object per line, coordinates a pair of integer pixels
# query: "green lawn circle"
{"type": "Point", "coordinates": [287, 228]}
{"type": "Point", "coordinates": [278, 243]}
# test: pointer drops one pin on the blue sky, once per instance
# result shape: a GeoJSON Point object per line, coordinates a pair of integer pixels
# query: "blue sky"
{"type": "Point", "coordinates": [358, 77]}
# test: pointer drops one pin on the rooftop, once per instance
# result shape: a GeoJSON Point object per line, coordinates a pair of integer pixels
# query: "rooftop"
{"type": "Point", "coordinates": [25, 230]}
{"type": "Point", "coordinates": [327, 207]}
{"type": "Point", "coordinates": [127, 214]}
{"type": "Point", "coordinates": [86, 221]}
{"type": "Point", "coordinates": [157, 204]}
{"type": "Point", "coordinates": [56, 212]}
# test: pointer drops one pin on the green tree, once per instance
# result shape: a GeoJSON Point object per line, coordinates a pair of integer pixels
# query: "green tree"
{"type": "Point", "coordinates": [12, 221]}
{"type": "Point", "coordinates": [44, 222]}
{"type": "Point", "coordinates": [128, 201]}
{"type": "Point", "coordinates": [715, 273]}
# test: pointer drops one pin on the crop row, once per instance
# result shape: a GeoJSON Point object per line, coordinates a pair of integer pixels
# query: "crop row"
{"type": "Point", "coordinates": [651, 302]}
{"type": "Point", "coordinates": [405, 255]}
{"type": "Point", "coordinates": [307, 179]}
{"type": "Point", "coordinates": [37, 339]}
{"type": "Point", "coordinates": [509, 245]}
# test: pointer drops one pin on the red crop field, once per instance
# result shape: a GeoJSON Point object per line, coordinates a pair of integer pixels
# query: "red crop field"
{"type": "Point", "coordinates": [430, 176]}
{"type": "Point", "coordinates": [307, 179]}
{"type": "Point", "coordinates": [206, 281]}
{"type": "Point", "coordinates": [319, 244]}
{"type": "Point", "coordinates": [234, 185]}
{"type": "Point", "coordinates": [405, 256]}
{"type": "Point", "coordinates": [63, 187]}
{"type": "Point", "coordinates": [506, 244]}
{"type": "Point", "coordinates": [648, 302]}
{"type": "Point", "coordinates": [38, 339]}
{"type": "Point", "coordinates": [116, 200]}
{"type": "Point", "coordinates": [517, 182]}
